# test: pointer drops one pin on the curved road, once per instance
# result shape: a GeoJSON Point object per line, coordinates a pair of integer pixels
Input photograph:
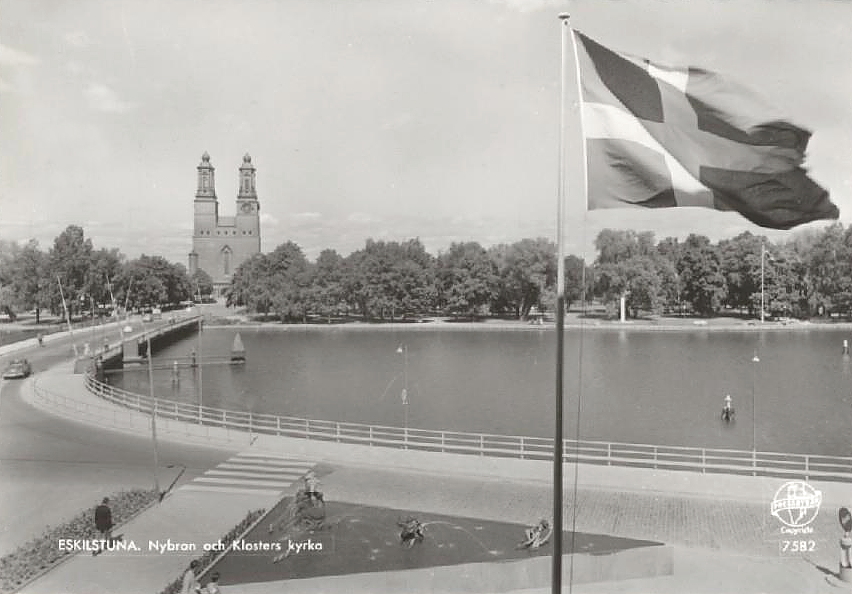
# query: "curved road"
{"type": "Point", "coordinates": [52, 468]}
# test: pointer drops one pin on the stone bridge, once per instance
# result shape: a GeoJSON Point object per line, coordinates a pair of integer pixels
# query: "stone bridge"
{"type": "Point", "coordinates": [133, 349]}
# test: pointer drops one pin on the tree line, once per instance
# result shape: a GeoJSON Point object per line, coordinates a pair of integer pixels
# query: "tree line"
{"type": "Point", "coordinates": [389, 280]}
{"type": "Point", "coordinates": [89, 280]}
{"type": "Point", "coordinates": [809, 274]}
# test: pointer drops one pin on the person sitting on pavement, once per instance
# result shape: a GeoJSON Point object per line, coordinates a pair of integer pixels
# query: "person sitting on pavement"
{"type": "Point", "coordinates": [412, 530]}
{"type": "Point", "coordinates": [212, 586]}
{"type": "Point", "coordinates": [537, 535]}
{"type": "Point", "coordinates": [312, 487]}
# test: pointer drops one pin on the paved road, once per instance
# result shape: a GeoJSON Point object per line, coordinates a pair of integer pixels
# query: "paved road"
{"type": "Point", "coordinates": [60, 463]}
{"type": "Point", "coordinates": [51, 468]}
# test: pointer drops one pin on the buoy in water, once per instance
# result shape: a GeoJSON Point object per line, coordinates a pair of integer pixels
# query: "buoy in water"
{"type": "Point", "coordinates": [845, 347]}
{"type": "Point", "coordinates": [238, 351]}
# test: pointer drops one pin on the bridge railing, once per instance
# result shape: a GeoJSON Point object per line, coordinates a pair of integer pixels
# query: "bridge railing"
{"type": "Point", "coordinates": [696, 459]}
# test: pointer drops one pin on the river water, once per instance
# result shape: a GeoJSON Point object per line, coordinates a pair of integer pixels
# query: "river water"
{"type": "Point", "coordinates": [655, 387]}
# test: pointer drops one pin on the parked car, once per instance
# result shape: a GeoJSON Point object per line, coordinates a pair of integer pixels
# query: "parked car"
{"type": "Point", "coordinates": [17, 369]}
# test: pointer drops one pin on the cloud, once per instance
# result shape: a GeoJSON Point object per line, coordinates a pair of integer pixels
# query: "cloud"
{"type": "Point", "coordinates": [77, 39]}
{"type": "Point", "coordinates": [361, 218]}
{"type": "Point", "coordinates": [267, 219]}
{"type": "Point", "coordinates": [530, 5]}
{"type": "Point", "coordinates": [13, 57]}
{"type": "Point", "coordinates": [102, 98]}
{"type": "Point", "coordinates": [306, 216]}
{"type": "Point", "coordinates": [396, 121]}
{"type": "Point", "coordinates": [78, 68]}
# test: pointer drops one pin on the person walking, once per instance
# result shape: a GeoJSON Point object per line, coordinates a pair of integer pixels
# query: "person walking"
{"type": "Point", "coordinates": [103, 523]}
{"type": "Point", "coordinates": [190, 584]}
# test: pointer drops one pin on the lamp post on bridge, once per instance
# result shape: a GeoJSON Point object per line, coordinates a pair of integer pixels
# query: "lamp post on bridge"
{"type": "Point", "coordinates": [200, 318]}
{"type": "Point", "coordinates": [754, 361]}
{"type": "Point", "coordinates": [153, 409]}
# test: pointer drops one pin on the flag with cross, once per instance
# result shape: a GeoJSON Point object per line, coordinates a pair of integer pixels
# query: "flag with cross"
{"type": "Point", "coordinates": [657, 137]}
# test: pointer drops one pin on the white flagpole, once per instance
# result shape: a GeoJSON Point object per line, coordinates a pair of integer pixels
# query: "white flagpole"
{"type": "Point", "coordinates": [115, 309]}
{"type": "Point", "coordinates": [67, 317]}
{"type": "Point", "coordinates": [556, 578]}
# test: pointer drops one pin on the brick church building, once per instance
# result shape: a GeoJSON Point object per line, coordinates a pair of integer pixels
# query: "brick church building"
{"type": "Point", "coordinates": [221, 243]}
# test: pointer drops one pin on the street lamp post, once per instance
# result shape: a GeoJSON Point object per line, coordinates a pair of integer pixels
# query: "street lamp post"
{"type": "Point", "coordinates": [153, 411]}
{"type": "Point", "coordinates": [754, 360]}
{"type": "Point", "coordinates": [403, 350]}
{"type": "Point", "coordinates": [200, 386]}
{"type": "Point", "coordinates": [762, 293]}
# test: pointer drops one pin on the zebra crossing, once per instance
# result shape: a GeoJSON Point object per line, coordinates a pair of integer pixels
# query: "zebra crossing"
{"type": "Point", "coordinates": [252, 473]}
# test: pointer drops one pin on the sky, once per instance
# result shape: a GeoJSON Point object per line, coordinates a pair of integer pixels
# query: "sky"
{"type": "Point", "coordinates": [436, 119]}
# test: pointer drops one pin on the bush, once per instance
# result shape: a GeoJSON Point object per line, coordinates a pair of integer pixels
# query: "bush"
{"type": "Point", "coordinates": [30, 560]}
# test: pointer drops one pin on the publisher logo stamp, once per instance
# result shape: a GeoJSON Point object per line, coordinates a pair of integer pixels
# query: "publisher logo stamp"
{"type": "Point", "coordinates": [796, 505]}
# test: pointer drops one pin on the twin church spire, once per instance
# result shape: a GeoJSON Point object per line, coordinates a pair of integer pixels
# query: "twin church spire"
{"type": "Point", "coordinates": [207, 182]}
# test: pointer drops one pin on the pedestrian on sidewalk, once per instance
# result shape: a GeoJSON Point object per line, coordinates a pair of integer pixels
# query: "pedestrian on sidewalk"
{"type": "Point", "coordinates": [213, 585]}
{"type": "Point", "coordinates": [190, 583]}
{"type": "Point", "coordinates": [103, 523]}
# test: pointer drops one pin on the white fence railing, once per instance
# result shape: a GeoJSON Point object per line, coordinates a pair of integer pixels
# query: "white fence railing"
{"type": "Point", "coordinates": [703, 460]}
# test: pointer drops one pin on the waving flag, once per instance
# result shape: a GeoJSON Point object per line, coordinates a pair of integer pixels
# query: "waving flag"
{"type": "Point", "coordinates": [661, 137]}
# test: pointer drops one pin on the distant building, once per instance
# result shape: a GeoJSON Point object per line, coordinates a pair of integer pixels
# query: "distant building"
{"type": "Point", "coordinates": [221, 243]}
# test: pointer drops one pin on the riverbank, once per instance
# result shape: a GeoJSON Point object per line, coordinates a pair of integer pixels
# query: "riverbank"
{"type": "Point", "coordinates": [574, 321]}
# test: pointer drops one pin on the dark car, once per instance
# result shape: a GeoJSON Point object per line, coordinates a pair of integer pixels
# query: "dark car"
{"type": "Point", "coordinates": [17, 369]}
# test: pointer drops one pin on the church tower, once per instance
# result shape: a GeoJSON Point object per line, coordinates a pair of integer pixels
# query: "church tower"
{"type": "Point", "coordinates": [248, 208]}
{"type": "Point", "coordinates": [221, 243]}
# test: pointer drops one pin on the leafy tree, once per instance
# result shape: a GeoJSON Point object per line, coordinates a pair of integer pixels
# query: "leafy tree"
{"type": "Point", "coordinates": [700, 273]}
{"type": "Point", "coordinates": [104, 266]}
{"type": "Point", "coordinates": [389, 278]}
{"type": "Point", "coordinates": [615, 246]}
{"type": "Point", "coordinates": [9, 252]}
{"type": "Point", "coordinates": [202, 283]}
{"type": "Point", "coordinates": [782, 286]}
{"type": "Point", "coordinates": [290, 278]}
{"type": "Point", "coordinates": [467, 278]}
{"type": "Point", "coordinates": [153, 280]}
{"type": "Point", "coordinates": [325, 290]}
{"type": "Point", "coordinates": [630, 265]}
{"type": "Point", "coordinates": [828, 265]}
{"type": "Point", "coordinates": [251, 285]}
{"type": "Point", "coordinates": [740, 261]}
{"type": "Point", "coordinates": [637, 279]}
{"type": "Point", "coordinates": [578, 280]}
{"type": "Point", "coordinates": [29, 280]}
{"type": "Point", "coordinates": [526, 268]}
{"type": "Point", "coordinates": [68, 262]}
